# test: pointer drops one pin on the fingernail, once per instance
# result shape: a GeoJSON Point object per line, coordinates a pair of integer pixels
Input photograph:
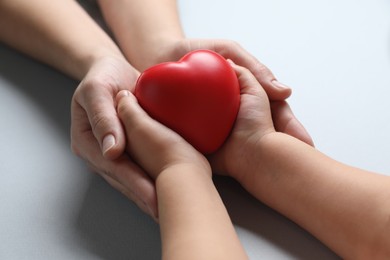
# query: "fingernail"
{"type": "Point", "coordinates": [230, 62]}
{"type": "Point", "coordinates": [279, 85]}
{"type": "Point", "coordinates": [124, 93]}
{"type": "Point", "coordinates": [108, 143]}
{"type": "Point", "coordinates": [121, 94]}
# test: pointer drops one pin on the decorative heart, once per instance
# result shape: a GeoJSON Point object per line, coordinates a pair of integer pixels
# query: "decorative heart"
{"type": "Point", "coordinates": [197, 97]}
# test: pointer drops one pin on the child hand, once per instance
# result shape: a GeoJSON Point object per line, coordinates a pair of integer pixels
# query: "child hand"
{"type": "Point", "coordinates": [254, 120]}
{"type": "Point", "coordinates": [97, 134]}
{"type": "Point", "coordinates": [152, 145]}
{"type": "Point", "coordinates": [283, 117]}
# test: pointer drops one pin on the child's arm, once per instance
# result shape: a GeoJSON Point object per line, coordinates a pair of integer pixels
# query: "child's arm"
{"type": "Point", "coordinates": [193, 220]}
{"type": "Point", "coordinates": [348, 209]}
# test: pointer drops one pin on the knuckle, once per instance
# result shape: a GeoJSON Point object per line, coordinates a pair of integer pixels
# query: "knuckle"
{"type": "Point", "coordinates": [99, 122]}
{"type": "Point", "coordinates": [233, 46]}
{"type": "Point", "coordinates": [227, 47]}
{"type": "Point", "coordinates": [90, 85]}
{"type": "Point", "coordinates": [260, 70]}
{"type": "Point", "coordinates": [260, 67]}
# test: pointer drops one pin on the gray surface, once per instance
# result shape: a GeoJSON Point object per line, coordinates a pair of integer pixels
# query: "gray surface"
{"type": "Point", "coordinates": [335, 54]}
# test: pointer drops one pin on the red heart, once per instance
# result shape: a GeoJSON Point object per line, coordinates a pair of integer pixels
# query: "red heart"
{"type": "Point", "coordinates": [198, 97]}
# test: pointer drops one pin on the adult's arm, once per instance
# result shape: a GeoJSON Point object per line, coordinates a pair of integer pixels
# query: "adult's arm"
{"type": "Point", "coordinates": [150, 32]}
{"type": "Point", "coordinates": [143, 28]}
{"type": "Point", "coordinates": [58, 33]}
{"type": "Point", "coordinates": [61, 34]}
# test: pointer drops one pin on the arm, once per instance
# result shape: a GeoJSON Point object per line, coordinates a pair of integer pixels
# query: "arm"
{"type": "Point", "coordinates": [143, 28]}
{"type": "Point", "coordinates": [62, 35]}
{"type": "Point", "coordinates": [58, 33]}
{"type": "Point", "coordinates": [348, 209]}
{"type": "Point", "coordinates": [193, 220]}
{"type": "Point", "coordinates": [149, 32]}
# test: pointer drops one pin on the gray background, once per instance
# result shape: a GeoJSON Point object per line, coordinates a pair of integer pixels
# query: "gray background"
{"type": "Point", "coordinates": [335, 55]}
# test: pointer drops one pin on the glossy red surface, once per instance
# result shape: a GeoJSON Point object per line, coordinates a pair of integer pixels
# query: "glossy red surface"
{"type": "Point", "coordinates": [198, 97]}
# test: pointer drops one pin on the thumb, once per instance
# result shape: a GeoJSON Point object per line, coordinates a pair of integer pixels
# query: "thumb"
{"type": "Point", "coordinates": [103, 119]}
{"type": "Point", "coordinates": [149, 142]}
{"type": "Point", "coordinates": [139, 127]}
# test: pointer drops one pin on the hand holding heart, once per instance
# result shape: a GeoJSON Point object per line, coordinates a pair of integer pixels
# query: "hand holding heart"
{"type": "Point", "coordinates": [283, 117]}
{"type": "Point", "coordinates": [197, 97]}
{"type": "Point", "coordinates": [154, 146]}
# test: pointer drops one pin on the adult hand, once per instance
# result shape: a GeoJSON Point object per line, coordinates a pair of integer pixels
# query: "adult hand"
{"type": "Point", "coordinates": [153, 146]}
{"type": "Point", "coordinates": [253, 121]}
{"type": "Point", "coordinates": [97, 134]}
{"type": "Point", "coordinates": [283, 117]}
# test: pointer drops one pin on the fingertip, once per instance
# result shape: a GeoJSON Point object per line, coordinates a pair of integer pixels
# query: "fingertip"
{"type": "Point", "coordinates": [231, 63]}
{"type": "Point", "coordinates": [108, 143]}
{"type": "Point", "coordinates": [286, 122]}
{"type": "Point", "coordinates": [122, 94]}
{"type": "Point", "coordinates": [296, 129]}
{"type": "Point", "coordinates": [280, 90]}
{"type": "Point", "coordinates": [112, 146]}
{"type": "Point", "coordinates": [124, 101]}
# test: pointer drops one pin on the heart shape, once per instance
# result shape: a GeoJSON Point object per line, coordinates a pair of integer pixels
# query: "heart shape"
{"type": "Point", "coordinates": [198, 97]}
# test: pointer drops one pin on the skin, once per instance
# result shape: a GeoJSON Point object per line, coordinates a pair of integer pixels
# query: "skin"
{"type": "Point", "coordinates": [61, 34]}
{"type": "Point", "coordinates": [193, 220]}
{"type": "Point", "coordinates": [159, 37]}
{"type": "Point", "coordinates": [351, 203]}
{"type": "Point", "coordinates": [348, 209]}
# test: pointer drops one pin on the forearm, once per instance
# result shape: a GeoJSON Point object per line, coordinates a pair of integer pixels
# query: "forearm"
{"type": "Point", "coordinates": [58, 33]}
{"type": "Point", "coordinates": [142, 27]}
{"type": "Point", "coordinates": [346, 208]}
{"type": "Point", "coordinates": [194, 222]}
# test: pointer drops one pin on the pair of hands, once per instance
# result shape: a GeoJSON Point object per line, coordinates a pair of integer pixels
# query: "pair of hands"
{"type": "Point", "coordinates": [157, 148]}
{"type": "Point", "coordinates": [99, 138]}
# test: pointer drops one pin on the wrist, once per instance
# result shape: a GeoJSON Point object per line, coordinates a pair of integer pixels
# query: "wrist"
{"type": "Point", "coordinates": [186, 171]}
{"type": "Point", "coordinates": [252, 156]}
{"type": "Point", "coordinates": [99, 55]}
{"type": "Point", "coordinates": [160, 49]}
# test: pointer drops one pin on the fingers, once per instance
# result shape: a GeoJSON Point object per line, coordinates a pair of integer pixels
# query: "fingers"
{"type": "Point", "coordinates": [232, 50]}
{"type": "Point", "coordinates": [286, 122]}
{"type": "Point", "coordinates": [132, 182]}
{"type": "Point", "coordinates": [139, 127]}
{"type": "Point", "coordinates": [248, 83]}
{"type": "Point", "coordinates": [129, 111]}
{"type": "Point", "coordinates": [122, 174]}
{"type": "Point", "coordinates": [283, 118]}
{"type": "Point", "coordinates": [98, 103]}
{"type": "Point", "coordinates": [148, 141]}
